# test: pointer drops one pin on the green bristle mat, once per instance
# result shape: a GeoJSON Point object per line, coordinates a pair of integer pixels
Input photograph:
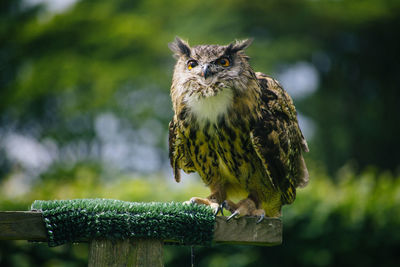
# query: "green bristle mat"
{"type": "Point", "coordinates": [85, 219]}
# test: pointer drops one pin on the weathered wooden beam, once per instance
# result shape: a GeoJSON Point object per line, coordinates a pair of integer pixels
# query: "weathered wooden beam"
{"type": "Point", "coordinates": [246, 231]}
{"type": "Point", "coordinates": [22, 225]}
{"type": "Point", "coordinates": [28, 225]}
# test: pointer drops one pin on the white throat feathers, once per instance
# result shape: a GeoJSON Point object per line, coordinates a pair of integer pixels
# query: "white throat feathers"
{"type": "Point", "coordinates": [210, 108]}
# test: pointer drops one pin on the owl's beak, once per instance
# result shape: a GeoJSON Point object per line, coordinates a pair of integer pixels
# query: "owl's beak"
{"type": "Point", "coordinates": [205, 71]}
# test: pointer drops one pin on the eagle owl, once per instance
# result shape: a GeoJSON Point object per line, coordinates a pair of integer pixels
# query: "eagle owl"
{"type": "Point", "coordinates": [237, 128]}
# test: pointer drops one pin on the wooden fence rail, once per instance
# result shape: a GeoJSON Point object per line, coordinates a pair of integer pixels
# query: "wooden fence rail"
{"type": "Point", "coordinates": [28, 225]}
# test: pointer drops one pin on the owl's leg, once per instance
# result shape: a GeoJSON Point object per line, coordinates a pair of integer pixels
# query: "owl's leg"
{"type": "Point", "coordinates": [245, 207]}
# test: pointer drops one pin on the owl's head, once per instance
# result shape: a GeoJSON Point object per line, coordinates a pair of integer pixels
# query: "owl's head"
{"type": "Point", "coordinates": [204, 70]}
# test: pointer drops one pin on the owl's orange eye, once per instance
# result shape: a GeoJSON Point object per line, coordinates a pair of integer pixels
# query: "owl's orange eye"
{"type": "Point", "coordinates": [191, 64]}
{"type": "Point", "coordinates": [224, 62]}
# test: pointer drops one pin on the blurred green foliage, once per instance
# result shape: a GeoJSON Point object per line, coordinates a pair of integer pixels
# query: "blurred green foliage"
{"type": "Point", "coordinates": [84, 109]}
{"type": "Point", "coordinates": [61, 72]}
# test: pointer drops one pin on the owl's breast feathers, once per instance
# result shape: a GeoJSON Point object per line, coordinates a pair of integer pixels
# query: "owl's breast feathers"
{"type": "Point", "coordinates": [258, 136]}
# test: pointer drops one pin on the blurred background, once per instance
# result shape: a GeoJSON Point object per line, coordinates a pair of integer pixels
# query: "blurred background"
{"type": "Point", "coordinates": [85, 106]}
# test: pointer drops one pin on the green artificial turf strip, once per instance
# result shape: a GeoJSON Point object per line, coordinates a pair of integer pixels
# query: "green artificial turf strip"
{"type": "Point", "coordinates": [81, 219]}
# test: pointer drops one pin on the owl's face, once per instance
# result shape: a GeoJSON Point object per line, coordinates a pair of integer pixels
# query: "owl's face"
{"type": "Point", "coordinates": [205, 70]}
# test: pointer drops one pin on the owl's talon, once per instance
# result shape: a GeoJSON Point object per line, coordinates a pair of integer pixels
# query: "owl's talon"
{"type": "Point", "coordinates": [190, 201]}
{"type": "Point", "coordinates": [220, 209]}
{"type": "Point", "coordinates": [262, 216]}
{"type": "Point", "coordinates": [233, 215]}
{"type": "Point", "coordinates": [224, 205]}
{"type": "Point", "coordinates": [217, 211]}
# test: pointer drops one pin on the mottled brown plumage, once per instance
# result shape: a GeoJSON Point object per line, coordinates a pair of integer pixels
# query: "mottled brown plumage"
{"type": "Point", "coordinates": [238, 129]}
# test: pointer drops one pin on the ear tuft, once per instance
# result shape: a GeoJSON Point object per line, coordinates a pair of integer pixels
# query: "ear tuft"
{"type": "Point", "coordinates": [180, 47]}
{"type": "Point", "coordinates": [238, 46]}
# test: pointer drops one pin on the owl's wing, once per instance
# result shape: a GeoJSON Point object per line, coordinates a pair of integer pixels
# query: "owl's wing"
{"type": "Point", "coordinates": [173, 155]}
{"type": "Point", "coordinates": [177, 154]}
{"type": "Point", "coordinates": [278, 140]}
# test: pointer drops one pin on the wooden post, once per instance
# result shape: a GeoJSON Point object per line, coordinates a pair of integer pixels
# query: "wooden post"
{"type": "Point", "coordinates": [128, 253]}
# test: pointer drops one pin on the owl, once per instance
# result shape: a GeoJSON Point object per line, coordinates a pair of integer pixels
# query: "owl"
{"type": "Point", "coordinates": [237, 129]}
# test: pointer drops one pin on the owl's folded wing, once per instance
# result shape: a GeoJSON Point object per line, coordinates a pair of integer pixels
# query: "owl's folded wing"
{"type": "Point", "coordinates": [278, 141]}
{"type": "Point", "coordinates": [177, 154]}
{"type": "Point", "coordinates": [173, 155]}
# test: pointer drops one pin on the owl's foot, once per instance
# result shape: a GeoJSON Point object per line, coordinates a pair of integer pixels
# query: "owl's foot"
{"type": "Point", "coordinates": [205, 201]}
{"type": "Point", "coordinates": [245, 207]}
